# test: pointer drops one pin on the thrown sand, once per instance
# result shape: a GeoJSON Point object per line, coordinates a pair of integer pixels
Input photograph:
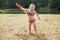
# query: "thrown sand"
{"type": "Point", "coordinates": [15, 27]}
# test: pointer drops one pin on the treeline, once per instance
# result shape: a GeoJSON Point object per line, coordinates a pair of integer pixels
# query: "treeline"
{"type": "Point", "coordinates": [7, 4]}
{"type": "Point", "coordinates": [55, 5]}
{"type": "Point", "coordinates": [41, 5]}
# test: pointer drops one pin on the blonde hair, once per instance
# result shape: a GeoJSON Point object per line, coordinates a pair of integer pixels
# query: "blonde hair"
{"type": "Point", "coordinates": [32, 5]}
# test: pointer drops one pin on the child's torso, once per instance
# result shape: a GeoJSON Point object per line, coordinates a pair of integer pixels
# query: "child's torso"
{"type": "Point", "coordinates": [30, 13]}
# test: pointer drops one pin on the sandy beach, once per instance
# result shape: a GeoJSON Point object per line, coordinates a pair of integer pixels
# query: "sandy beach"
{"type": "Point", "coordinates": [15, 27]}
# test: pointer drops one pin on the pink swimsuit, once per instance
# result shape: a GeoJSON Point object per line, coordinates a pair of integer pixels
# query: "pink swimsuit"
{"type": "Point", "coordinates": [32, 21]}
{"type": "Point", "coordinates": [31, 14]}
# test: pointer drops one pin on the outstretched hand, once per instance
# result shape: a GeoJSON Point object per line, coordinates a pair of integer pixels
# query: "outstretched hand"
{"type": "Point", "coordinates": [18, 5]}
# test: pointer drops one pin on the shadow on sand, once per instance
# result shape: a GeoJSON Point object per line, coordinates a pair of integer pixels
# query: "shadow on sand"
{"type": "Point", "coordinates": [32, 37]}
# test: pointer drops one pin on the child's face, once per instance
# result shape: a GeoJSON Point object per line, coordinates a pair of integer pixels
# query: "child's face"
{"type": "Point", "coordinates": [32, 8]}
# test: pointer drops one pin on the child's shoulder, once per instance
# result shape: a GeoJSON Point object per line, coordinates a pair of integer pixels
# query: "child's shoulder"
{"type": "Point", "coordinates": [26, 9]}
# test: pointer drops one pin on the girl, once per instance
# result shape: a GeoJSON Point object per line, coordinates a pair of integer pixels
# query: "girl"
{"type": "Point", "coordinates": [30, 13]}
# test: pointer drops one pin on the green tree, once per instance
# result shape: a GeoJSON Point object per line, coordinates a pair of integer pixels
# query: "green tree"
{"type": "Point", "coordinates": [55, 5]}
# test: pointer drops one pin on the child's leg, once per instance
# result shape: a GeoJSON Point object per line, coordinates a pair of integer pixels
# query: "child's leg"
{"type": "Point", "coordinates": [34, 25]}
{"type": "Point", "coordinates": [30, 28]}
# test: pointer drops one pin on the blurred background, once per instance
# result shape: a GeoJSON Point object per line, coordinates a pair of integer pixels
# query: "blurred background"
{"type": "Point", "coordinates": [42, 6]}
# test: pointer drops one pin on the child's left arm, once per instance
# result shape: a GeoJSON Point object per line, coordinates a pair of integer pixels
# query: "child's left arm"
{"type": "Point", "coordinates": [37, 15]}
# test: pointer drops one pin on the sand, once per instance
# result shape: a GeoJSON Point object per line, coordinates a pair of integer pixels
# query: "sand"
{"type": "Point", "coordinates": [15, 27]}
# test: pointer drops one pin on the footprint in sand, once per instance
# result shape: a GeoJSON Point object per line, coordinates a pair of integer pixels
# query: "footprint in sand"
{"type": "Point", "coordinates": [41, 37]}
{"type": "Point", "coordinates": [46, 20]}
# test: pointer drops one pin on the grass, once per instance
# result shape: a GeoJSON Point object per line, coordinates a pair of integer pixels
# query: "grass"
{"type": "Point", "coordinates": [18, 11]}
{"type": "Point", "coordinates": [10, 11]}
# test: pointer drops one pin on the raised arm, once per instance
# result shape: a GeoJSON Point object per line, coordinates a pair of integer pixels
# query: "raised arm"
{"type": "Point", "coordinates": [37, 15]}
{"type": "Point", "coordinates": [19, 6]}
